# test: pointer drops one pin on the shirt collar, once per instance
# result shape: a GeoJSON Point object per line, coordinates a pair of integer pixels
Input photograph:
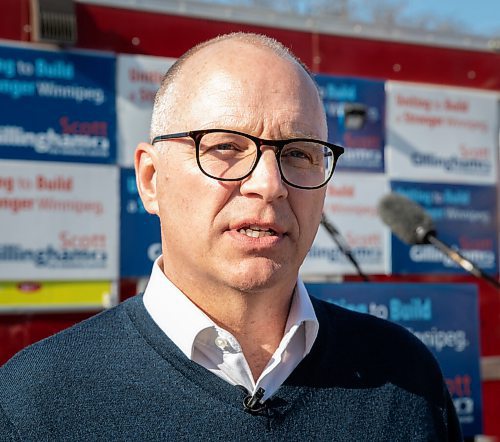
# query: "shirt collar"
{"type": "Point", "coordinates": [173, 312]}
{"type": "Point", "coordinates": [302, 312]}
{"type": "Point", "coordinates": [182, 321]}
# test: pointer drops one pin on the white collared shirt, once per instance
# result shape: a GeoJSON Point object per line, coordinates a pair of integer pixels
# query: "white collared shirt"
{"type": "Point", "coordinates": [214, 348]}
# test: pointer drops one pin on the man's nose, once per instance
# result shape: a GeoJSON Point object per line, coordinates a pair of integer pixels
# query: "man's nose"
{"type": "Point", "coordinates": [265, 180]}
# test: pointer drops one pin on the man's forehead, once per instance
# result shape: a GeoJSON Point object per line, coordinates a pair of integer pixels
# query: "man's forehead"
{"type": "Point", "coordinates": [236, 56]}
{"type": "Point", "coordinates": [243, 90]}
{"type": "Point", "coordinates": [233, 84]}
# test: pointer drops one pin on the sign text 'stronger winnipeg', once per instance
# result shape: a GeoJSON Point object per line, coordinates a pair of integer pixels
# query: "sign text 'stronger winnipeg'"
{"type": "Point", "coordinates": [58, 222]}
{"type": "Point", "coordinates": [57, 106]}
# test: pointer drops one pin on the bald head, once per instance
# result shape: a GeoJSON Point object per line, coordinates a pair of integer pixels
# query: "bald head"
{"type": "Point", "coordinates": [228, 55]}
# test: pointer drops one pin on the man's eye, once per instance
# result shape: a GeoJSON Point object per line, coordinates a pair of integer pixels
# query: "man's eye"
{"type": "Point", "coordinates": [226, 146]}
{"type": "Point", "coordinates": [296, 154]}
{"type": "Point", "coordinates": [224, 150]}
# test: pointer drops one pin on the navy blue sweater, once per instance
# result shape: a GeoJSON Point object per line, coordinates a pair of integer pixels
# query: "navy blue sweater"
{"type": "Point", "coordinates": [117, 377]}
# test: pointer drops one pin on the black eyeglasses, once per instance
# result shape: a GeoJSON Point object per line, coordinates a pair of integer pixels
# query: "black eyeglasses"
{"type": "Point", "coordinates": [228, 155]}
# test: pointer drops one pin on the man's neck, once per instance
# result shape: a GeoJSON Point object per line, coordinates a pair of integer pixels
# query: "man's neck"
{"type": "Point", "coordinates": [256, 319]}
{"type": "Point", "coordinates": [257, 324]}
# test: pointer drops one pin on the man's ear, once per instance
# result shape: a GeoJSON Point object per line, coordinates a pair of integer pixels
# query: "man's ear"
{"type": "Point", "coordinates": [146, 161]}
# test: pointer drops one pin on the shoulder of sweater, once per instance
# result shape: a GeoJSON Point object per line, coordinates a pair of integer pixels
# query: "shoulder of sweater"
{"type": "Point", "coordinates": [376, 345]}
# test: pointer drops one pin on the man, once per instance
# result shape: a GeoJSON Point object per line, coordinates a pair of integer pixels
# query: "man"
{"type": "Point", "coordinates": [225, 344]}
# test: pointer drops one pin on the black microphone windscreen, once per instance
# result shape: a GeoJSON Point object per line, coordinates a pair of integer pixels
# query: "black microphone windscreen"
{"type": "Point", "coordinates": [407, 220]}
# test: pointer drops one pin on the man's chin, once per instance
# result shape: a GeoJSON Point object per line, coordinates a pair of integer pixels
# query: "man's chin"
{"type": "Point", "coordinates": [261, 275]}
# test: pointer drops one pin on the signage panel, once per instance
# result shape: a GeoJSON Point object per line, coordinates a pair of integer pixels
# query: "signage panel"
{"type": "Point", "coordinates": [138, 79]}
{"type": "Point", "coordinates": [56, 295]}
{"type": "Point", "coordinates": [351, 206]}
{"type": "Point", "coordinates": [57, 106]}
{"type": "Point", "coordinates": [465, 218]}
{"type": "Point", "coordinates": [355, 110]}
{"type": "Point", "coordinates": [441, 134]}
{"type": "Point", "coordinates": [139, 231]}
{"type": "Point", "coordinates": [58, 222]}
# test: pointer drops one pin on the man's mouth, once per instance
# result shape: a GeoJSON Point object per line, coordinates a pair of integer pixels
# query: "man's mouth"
{"type": "Point", "coordinates": [256, 232]}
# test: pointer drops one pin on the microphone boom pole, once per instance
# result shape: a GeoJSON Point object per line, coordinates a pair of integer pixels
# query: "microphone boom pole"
{"type": "Point", "coordinates": [342, 245]}
{"type": "Point", "coordinates": [461, 260]}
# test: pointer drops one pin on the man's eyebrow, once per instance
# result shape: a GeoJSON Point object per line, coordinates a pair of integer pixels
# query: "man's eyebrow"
{"type": "Point", "coordinates": [234, 123]}
{"type": "Point", "coordinates": [300, 134]}
{"type": "Point", "coordinates": [303, 135]}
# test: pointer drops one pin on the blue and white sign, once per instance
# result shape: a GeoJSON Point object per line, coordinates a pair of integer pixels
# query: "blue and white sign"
{"type": "Point", "coordinates": [441, 134]}
{"type": "Point", "coordinates": [58, 221]}
{"type": "Point", "coordinates": [351, 206]}
{"type": "Point", "coordinates": [138, 77]}
{"type": "Point", "coordinates": [465, 218]}
{"type": "Point", "coordinates": [139, 231]}
{"type": "Point", "coordinates": [355, 110]}
{"type": "Point", "coordinates": [57, 106]}
{"type": "Point", "coordinates": [451, 334]}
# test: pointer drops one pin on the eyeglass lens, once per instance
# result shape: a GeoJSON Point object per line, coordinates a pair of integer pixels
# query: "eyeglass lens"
{"type": "Point", "coordinates": [232, 156]}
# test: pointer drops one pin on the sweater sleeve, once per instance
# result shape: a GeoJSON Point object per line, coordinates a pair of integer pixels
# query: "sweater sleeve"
{"type": "Point", "coordinates": [7, 429]}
